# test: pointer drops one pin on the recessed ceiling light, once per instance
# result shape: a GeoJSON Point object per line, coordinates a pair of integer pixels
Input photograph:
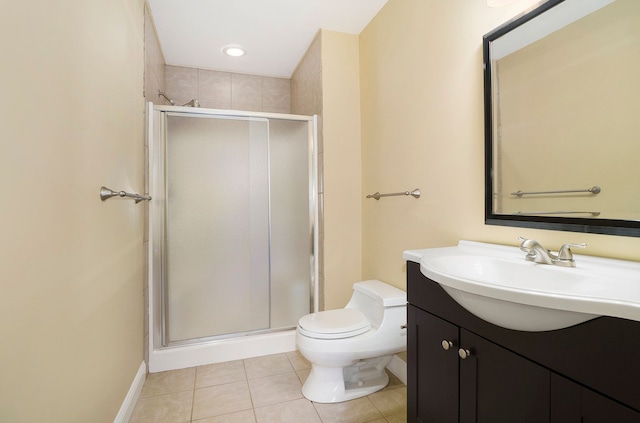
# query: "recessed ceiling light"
{"type": "Point", "coordinates": [234, 51]}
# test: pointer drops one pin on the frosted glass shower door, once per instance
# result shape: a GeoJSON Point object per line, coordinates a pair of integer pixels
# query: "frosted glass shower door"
{"type": "Point", "coordinates": [217, 275]}
{"type": "Point", "coordinates": [291, 240]}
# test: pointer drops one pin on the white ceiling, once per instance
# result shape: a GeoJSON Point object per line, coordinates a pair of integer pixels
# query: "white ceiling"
{"type": "Point", "coordinates": [275, 33]}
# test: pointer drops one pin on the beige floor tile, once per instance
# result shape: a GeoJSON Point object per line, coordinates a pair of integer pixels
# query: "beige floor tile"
{"type": "Point", "coordinates": [398, 418]}
{"type": "Point", "coordinates": [220, 373]}
{"type": "Point", "coordinates": [303, 374]}
{"type": "Point", "coordinates": [297, 411]}
{"type": "Point", "coordinates": [390, 401]}
{"type": "Point", "coordinates": [274, 389]}
{"type": "Point", "coordinates": [225, 393]}
{"type": "Point", "coordinates": [355, 411]}
{"type": "Point", "coordinates": [394, 382]}
{"type": "Point", "coordinates": [167, 382]}
{"type": "Point", "coordinates": [168, 408]}
{"type": "Point", "coordinates": [221, 399]}
{"type": "Point", "coordinates": [267, 365]}
{"type": "Point", "coordinates": [246, 416]}
{"type": "Point", "coordinates": [298, 361]}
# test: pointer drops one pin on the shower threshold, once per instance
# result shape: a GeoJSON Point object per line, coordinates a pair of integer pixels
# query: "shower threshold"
{"type": "Point", "coordinates": [221, 350]}
{"type": "Point", "coordinates": [223, 337]}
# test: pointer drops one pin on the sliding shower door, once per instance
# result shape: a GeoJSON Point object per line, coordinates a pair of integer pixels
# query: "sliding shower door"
{"type": "Point", "coordinates": [238, 219]}
{"type": "Point", "coordinates": [217, 226]}
{"type": "Point", "coordinates": [291, 237]}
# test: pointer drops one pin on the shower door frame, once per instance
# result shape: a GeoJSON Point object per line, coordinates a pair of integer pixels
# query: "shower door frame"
{"type": "Point", "coordinates": [157, 127]}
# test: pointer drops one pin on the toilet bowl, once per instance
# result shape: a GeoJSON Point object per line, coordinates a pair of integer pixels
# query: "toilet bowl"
{"type": "Point", "coordinates": [350, 348]}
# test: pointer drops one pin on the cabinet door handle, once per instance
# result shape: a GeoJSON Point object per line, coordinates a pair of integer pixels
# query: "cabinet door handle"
{"type": "Point", "coordinates": [463, 353]}
{"type": "Point", "coordinates": [447, 344]}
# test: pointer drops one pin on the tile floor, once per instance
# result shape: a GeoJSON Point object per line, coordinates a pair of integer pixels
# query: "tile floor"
{"type": "Point", "coordinates": [257, 390]}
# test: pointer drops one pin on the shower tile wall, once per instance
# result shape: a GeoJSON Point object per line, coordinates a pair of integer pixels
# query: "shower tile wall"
{"type": "Point", "coordinates": [306, 99]}
{"type": "Point", "coordinates": [306, 82]}
{"type": "Point", "coordinates": [226, 90]}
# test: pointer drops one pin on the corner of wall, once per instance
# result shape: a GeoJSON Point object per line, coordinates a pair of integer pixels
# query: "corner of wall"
{"type": "Point", "coordinates": [129, 403]}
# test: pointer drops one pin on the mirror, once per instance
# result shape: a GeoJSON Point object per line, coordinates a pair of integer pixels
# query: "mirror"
{"type": "Point", "coordinates": [562, 118]}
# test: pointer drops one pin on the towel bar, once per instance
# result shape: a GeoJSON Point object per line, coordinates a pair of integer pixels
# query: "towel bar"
{"type": "Point", "coordinates": [415, 193]}
{"type": "Point", "coordinates": [106, 193]}
{"type": "Point", "coordinates": [593, 190]}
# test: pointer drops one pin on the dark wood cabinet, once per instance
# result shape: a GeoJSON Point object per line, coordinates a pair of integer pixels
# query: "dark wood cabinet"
{"type": "Point", "coordinates": [489, 385]}
{"type": "Point", "coordinates": [428, 360]}
{"type": "Point", "coordinates": [497, 386]}
{"type": "Point", "coordinates": [575, 375]}
{"type": "Point", "coordinates": [573, 403]}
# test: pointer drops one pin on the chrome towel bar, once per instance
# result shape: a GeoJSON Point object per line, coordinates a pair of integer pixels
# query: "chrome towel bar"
{"type": "Point", "coordinates": [592, 213]}
{"type": "Point", "coordinates": [415, 193]}
{"type": "Point", "coordinates": [106, 193]}
{"type": "Point", "coordinates": [592, 190]}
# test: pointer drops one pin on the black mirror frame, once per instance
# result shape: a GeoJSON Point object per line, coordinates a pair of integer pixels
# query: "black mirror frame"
{"type": "Point", "coordinates": [571, 224]}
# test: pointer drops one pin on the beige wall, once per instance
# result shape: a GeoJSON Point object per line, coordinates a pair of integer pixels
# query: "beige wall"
{"type": "Point", "coordinates": [422, 126]}
{"type": "Point", "coordinates": [342, 167]}
{"type": "Point", "coordinates": [154, 63]}
{"type": "Point", "coordinates": [72, 120]}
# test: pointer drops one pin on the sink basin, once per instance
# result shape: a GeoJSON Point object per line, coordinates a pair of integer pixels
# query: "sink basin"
{"type": "Point", "coordinates": [496, 284]}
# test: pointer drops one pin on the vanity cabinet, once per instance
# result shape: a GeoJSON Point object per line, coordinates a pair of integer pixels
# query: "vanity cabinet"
{"type": "Point", "coordinates": [573, 403]}
{"type": "Point", "coordinates": [427, 360]}
{"type": "Point", "coordinates": [583, 374]}
{"type": "Point", "coordinates": [490, 384]}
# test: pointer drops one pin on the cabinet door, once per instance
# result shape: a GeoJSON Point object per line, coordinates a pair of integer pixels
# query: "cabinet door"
{"type": "Point", "coordinates": [499, 386]}
{"type": "Point", "coordinates": [432, 379]}
{"type": "Point", "coordinates": [572, 403]}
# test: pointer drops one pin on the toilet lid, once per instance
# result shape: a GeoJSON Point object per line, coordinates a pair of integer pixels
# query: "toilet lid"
{"type": "Point", "coordinates": [334, 324]}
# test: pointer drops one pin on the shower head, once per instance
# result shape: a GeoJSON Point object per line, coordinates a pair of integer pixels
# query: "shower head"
{"type": "Point", "coordinates": [161, 94]}
{"type": "Point", "coordinates": [192, 103]}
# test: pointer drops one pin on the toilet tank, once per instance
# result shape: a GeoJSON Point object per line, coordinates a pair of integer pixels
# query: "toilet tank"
{"type": "Point", "coordinates": [372, 297]}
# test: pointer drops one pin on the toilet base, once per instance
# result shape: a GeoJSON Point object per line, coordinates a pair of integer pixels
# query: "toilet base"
{"type": "Point", "coordinates": [337, 384]}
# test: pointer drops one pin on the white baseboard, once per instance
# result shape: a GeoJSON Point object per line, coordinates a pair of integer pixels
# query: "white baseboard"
{"type": "Point", "coordinates": [398, 367]}
{"type": "Point", "coordinates": [126, 410]}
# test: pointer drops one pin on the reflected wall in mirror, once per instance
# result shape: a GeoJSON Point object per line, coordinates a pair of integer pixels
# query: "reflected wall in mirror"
{"type": "Point", "coordinates": [562, 113]}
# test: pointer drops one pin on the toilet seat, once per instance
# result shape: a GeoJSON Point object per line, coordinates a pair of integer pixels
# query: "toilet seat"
{"type": "Point", "coordinates": [334, 324]}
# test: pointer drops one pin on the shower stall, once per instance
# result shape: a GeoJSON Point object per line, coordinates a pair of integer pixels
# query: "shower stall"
{"type": "Point", "coordinates": [232, 233]}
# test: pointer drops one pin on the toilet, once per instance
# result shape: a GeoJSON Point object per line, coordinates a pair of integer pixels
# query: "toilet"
{"type": "Point", "coordinates": [350, 348]}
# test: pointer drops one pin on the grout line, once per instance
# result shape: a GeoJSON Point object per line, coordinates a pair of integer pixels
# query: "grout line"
{"type": "Point", "coordinates": [193, 397]}
{"type": "Point", "coordinates": [253, 408]}
{"type": "Point", "coordinates": [317, 412]}
{"type": "Point", "coordinates": [246, 378]}
{"type": "Point", "coordinates": [165, 393]}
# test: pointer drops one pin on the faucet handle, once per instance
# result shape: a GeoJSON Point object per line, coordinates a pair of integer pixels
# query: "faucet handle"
{"type": "Point", "coordinates": [526, 244]}
{"type": "Point", "coordinates": [527, 247]}
{"type": "Point", "coordinates": [565, 253]}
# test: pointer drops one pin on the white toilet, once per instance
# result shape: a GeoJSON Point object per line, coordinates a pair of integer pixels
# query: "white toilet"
{"type": "Point", "coordinates": [350, 348]}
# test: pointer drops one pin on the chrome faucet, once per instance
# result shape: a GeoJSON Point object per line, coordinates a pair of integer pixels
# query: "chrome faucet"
{"type": "Point", "coordinates": [538, 254]}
